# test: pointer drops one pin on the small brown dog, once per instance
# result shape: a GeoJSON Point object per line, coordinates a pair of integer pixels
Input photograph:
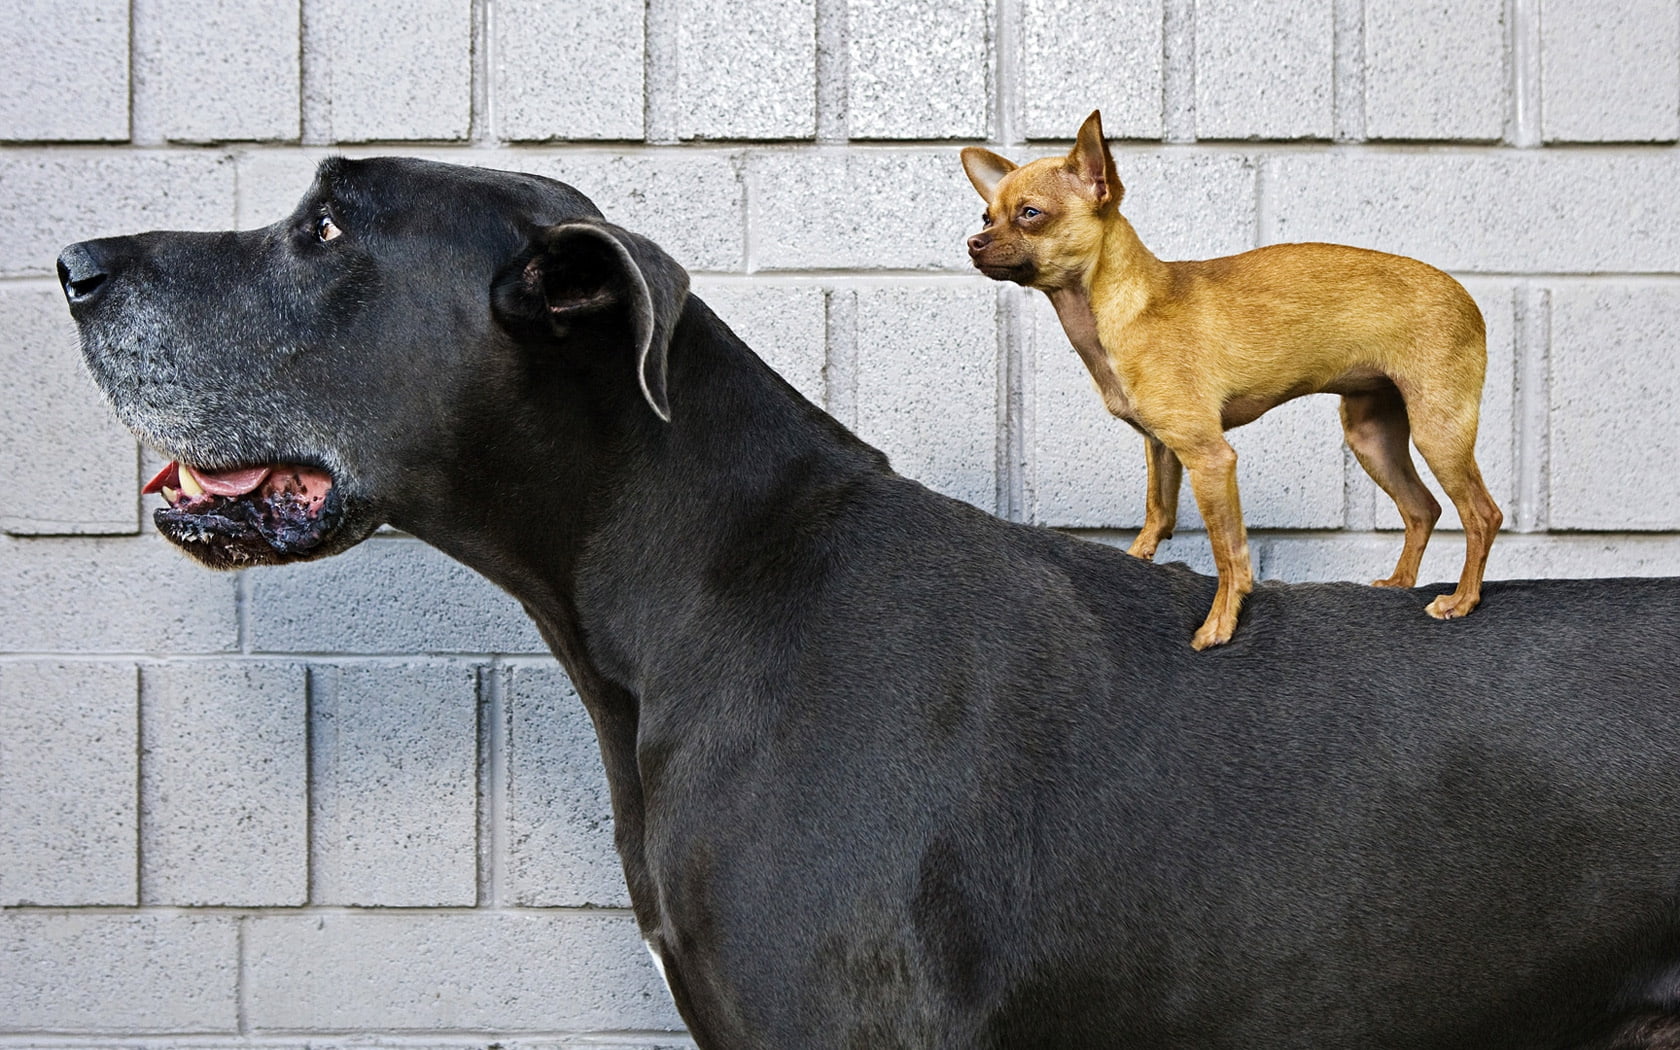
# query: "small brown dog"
{"type": "Point", "coordinates": [1184, 351]}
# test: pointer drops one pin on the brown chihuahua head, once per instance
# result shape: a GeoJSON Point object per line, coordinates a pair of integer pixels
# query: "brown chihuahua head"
{"type": "Point", "coordinates": [1044, 220]}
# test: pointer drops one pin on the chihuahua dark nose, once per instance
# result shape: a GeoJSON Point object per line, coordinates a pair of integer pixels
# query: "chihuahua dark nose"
{"type": "Point", "coordinates": [978, 243]}
{"type": "Point", "coordinates": [82, 270]}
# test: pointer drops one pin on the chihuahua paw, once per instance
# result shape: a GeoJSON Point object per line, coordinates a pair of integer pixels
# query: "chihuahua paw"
{"type": "Point", "coordinates": [1212, 633]}
{"type": "Point", "coordinates": [1395, 581]}
{"type": "Point", "coordinates": [1140, 549]}
{"type": "Point", "coordinates": [1452, 606]}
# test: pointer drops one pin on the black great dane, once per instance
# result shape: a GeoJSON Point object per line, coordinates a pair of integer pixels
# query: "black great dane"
{"type": "Point", "coordinates": [889, 772]}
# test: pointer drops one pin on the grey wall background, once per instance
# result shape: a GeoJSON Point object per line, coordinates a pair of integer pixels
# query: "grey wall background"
{"type": "Point", "coordinates": [355, 802]}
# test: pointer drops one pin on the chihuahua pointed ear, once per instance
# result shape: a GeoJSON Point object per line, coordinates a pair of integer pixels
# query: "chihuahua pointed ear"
{"type": "Point", "coordinates": [1094, 164]}
{"type": "Point", "coordinates": [985, 169]}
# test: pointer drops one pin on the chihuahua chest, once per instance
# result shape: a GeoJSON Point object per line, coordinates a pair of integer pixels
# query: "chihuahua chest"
{"type": "Point", "coordinates": [1073, 308]}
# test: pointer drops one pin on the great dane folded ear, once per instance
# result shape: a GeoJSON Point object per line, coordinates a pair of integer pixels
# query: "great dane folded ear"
{"type": "Point", "coordinates": [581, 273]}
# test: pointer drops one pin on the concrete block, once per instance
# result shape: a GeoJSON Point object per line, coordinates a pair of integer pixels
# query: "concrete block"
{"type": "Point", "coordinates": [784, 323]}
{"type": "Point", "coordinates": [98, 595]}
{"type": "Point", "coordinates": [1086, 468]}
{"type": "Point", "coordinates": [918, 69]}
{"type": "Point", "coordinates": [67, 776]}
{"type": "Point", "coordinates": [1543, 556]}
{"type": "Point", "coordinates": [272, 181]}
{"type": "Point", "coordinates": [51, 198]}
{"type": "Point", "coordinates": [859, 210]}
{"type": "Point", "coordinates": [65, 67]}
{"type": "Point", "coordinates": [1512, 211]}
{"type": "Point", "coordinates": [224, 785]}
{"type": "Point", "coordinates": [1607, 71]}
{"type": "Point", "coordinates": [1188, 205]}
{"type": "Point", "coordinates": [1357, 557]}
{"type": "Point", "coordinates": [1614, 397]}
{"type": "Point", "coordinates": [1360, 557]}
{"type": "Point", "coordinates": [1515, 556]}
{"type": "Point", "coordinates": [389, 595]}
{"type": "Point", "coordinates": [559, 815]}
{"type": "Point", "coordinates": [214, 72]}
{"type": "Point", "coordinates": [591, 1041]}
{"type": "Point", "coordinates": [479, 971]}
{"type": "Point", "coordinates": [1289, 468]}
{"type": "Point", "coordinates": [1496, 437]}
{"type": "Point", "coordinates": [1435, 71]}
{"type": "Point", "coordinates": [630, 1044]}
{"type": "Point", "coordinates": [674, 1041]}
{"type": "Point", "coordinates": [362, 79]}
{"type": "Point", "coordinates": [690, 201]}
{"type": "Point", "coordinates": [1076, 57]}
{"type": "Point", "coordinates": [633, 1044]}
{"type": "Point", "coordinates": [1554, 556]}
{"type": "Point", "coordinates": [395, 751]}
{"type": "Point", "coordinates": [746, 69]}
{"type": "Point", "coordinates": [927, 384]}
{"type": "Point", "coordinates": [123, 974]}
{"type": "Point", "coordinates": [1264, 71]}
{"type": "Point", "coordinates": [569, 71]}
{"type": "Point", "coordinates": [67, 467]}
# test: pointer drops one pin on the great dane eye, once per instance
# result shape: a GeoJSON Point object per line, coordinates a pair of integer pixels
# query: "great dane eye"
{"type": "Point", "coordinates": [326, 229]}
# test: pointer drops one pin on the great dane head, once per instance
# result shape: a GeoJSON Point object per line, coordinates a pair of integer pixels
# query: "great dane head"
{"type": "Point", "coordinates": [347, 365]}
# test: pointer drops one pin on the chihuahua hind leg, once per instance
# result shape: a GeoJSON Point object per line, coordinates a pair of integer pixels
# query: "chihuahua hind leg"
{"type": "Point", "coordinates": [1161, 500]}
{"type": "Point", "coordinates": [1446, 435]}
{"type": "Point", "coordinates": [1379, 434]}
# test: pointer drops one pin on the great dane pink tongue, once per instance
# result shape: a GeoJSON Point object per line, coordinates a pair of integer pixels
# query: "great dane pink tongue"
{"type": "Point", "coordinates": [229, 482]}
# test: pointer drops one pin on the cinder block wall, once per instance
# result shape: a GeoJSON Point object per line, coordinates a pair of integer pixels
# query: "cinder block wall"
{"type": "Point", "coordinates": [356, 801]}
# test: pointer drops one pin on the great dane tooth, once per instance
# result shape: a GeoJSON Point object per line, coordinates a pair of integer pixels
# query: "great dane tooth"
{"type": "Point", "coordinates": [169, 494]}
{"type": "Point", "coordinates": [189, 483]}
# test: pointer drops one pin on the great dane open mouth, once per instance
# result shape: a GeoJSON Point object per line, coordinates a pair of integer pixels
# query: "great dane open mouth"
{"type": "Point", "coordinates": [888, 772]}
{"type": "Point", "coordinates": [248, 515]}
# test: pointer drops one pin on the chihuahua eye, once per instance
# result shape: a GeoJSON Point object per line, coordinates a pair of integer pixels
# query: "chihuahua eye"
{"type": "Point", "coordinates": [986, 219]}
{"type": "Point", "coordinates": [1030, 213]}
{"type": "Point", "coordinates": [326, 229]}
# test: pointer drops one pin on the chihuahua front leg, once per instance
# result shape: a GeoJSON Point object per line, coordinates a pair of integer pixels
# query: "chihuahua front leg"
{"type": "Point", "coordinates": [1212, 464]}
{"type": "Point", "coordinates": [1160, 501]}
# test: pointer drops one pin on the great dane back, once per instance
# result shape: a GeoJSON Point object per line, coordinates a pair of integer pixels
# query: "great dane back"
{"type": "Point", "coordinates": [888, 772]}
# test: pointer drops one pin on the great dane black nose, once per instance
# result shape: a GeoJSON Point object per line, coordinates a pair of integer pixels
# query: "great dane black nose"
{"type": "Point", "coordinates": [83, 269]}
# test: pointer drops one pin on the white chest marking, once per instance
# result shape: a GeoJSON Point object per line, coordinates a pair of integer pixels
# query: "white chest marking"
{"type": "Point", "coordinates": [659, 964]}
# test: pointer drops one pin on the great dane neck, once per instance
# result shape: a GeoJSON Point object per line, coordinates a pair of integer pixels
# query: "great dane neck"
{"type": "Point", "coordinates": [746, 478]}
